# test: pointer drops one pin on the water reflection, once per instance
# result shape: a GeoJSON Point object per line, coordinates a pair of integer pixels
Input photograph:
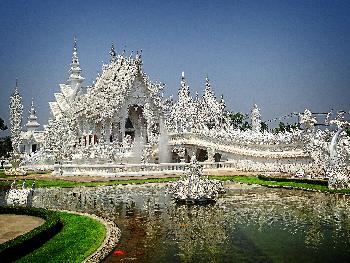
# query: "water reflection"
{"type": "Point", "coordinates": [250, 224]}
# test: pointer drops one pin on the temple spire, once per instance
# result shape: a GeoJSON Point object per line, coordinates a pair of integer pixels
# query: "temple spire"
{"type": "Point", "coordinates": [184, 90]}
{"type": "Point", "coordinates": [32, 123]}
{"type": "Point", "coordinates": [75, 70]}
{"type": "Point", "coordinates": [16, 110]}
{"type": "Point", "coordinates": [113, 54]}
{"type": "Point", "coordinates": [208, 88]}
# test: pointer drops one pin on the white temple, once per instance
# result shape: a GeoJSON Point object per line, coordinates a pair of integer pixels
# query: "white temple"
{"type": "Point", "coordinates": [122, 118]}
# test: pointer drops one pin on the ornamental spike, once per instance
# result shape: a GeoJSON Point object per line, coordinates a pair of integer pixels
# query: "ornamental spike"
{"type": "Point", "coordinates": [75, 44]}
{"type": "Point", "coordinates": [113, 53]}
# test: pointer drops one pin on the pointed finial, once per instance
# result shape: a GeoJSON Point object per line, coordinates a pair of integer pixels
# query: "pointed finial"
{"type": "Point", "coordinates": [32, 109]}
{"type": "Point", "coordinates": [124, 50]}
{"type": "Point", "coordinates": [207, 85]}
{"type": "Point", "coordinates": [113, 53]}
{"type": "Point", "coordinates": [207, 82]}
{"type": "Point", "coordinates": [183, 74]}
{"type": "Point", "coordinates": [16, 82]}
{"type": "Point", "coordinates": [75, 44]}
{"type": "Point", "coordinates": [75, 70]}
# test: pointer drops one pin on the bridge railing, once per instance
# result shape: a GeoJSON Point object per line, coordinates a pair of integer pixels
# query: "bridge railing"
{"type": "Point", "coordinates": [248, 165]}
{"type": "Point", "coordinates": [273, 145]}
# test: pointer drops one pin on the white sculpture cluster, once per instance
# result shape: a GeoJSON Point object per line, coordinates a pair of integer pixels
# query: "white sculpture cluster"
{"type": "Point", "coordinates": [197, 115]}
{"type": "Point", "coordinates": [19, 195]}
{"type": "Point", "coordinates": [256, 119]}
{"type": "Point", "coordinates": [194, 187]}
{"type": "Point", "coordinates": [16, 110]}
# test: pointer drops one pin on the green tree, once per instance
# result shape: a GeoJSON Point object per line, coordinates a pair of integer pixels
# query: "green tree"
{"type": "Point", "coordinates": [264, 127]}
{"type": "Point", "coordinates": [2, 125]}
{"type": "Point", "coordinates": [5, 147]}
{"type": "Point", "coordinates": [5, 142]}
{"type": "Point", "coordinates": [239, 121]}
{"type": "Point", "coordinates": [280, 129]}
{"type": "Point", "coordinates": [245, 126]}
{"type": "Point", "coordinates": [236, 119]}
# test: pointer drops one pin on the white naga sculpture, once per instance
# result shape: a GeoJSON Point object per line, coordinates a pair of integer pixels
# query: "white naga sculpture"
{"type": "Point", "coordinates": [338, 170]}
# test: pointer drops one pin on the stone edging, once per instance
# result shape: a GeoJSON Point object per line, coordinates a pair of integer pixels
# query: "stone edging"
{"type": "Point", "coordinates": [112, 237]}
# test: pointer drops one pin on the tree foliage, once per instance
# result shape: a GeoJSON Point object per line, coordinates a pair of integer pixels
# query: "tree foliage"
{"type": "Point", "coordinates": [240, 121]}
{"type": "Point", "coordinates": [264, 127]}
{"type": "Point", "coordinates": [237, 119]}
{"type": "Point", "coordinates": [5, 142]}
{"type": "Point", "coordinates": [282, 127]}
{"type": "Point", "coordinates": [2, 125]}
{"type": "Point", "coordinates": [5, 147]}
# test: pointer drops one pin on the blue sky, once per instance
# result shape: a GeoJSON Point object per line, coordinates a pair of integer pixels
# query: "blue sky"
{"type": "Point", "coordinates": [282, 55]}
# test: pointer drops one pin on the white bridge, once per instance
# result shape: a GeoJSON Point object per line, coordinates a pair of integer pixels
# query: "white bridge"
{"type": "Point", "coordinates": [288, 158]}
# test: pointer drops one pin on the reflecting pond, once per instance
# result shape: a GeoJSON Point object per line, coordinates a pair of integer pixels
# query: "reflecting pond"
{"type": "Point", "coordinates": [247, 224]}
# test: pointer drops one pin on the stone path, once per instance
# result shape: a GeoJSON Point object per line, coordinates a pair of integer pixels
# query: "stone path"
{"type": "Point", "coordinates": [12, 226]}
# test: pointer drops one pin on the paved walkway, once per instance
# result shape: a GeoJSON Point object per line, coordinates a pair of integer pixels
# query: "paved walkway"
{"type": "Point", "coordinates": [12, 226]}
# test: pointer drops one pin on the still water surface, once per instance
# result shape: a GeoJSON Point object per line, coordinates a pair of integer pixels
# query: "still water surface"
{"type": "Point", "coordinates": [247, 224]}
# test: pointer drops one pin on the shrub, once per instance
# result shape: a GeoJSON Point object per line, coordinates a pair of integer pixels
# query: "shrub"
{"type": "Point", "coordinates": [24, 244]}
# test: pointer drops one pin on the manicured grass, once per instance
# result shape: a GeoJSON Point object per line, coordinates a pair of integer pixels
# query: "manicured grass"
{"type": "Point", "coordinates": [79, 238]}
{"type": "Point", "coordinates": [280, 183]}
{"type": "Point", "coordinates": [305, 184]}
{"type": "Point", "coordinates": [63, 183]}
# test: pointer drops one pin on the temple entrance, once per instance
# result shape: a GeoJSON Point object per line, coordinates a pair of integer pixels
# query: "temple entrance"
{"type": "Point", "coordinates": [135, 124]}
{"type": "Point", "coordinates": [33, 147]}
{"type": "Point", "coordinates": [129, 129]}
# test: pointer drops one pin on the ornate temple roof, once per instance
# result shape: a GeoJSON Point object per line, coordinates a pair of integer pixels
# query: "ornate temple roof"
{"type": "Point", "coordinates": [110, 89]}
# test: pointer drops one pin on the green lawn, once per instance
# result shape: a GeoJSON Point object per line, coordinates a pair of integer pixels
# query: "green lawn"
{"type": "Point", "coordinates": [280, 183]}
{"type": "Point", "coordinates": [304, 184]}
{"type": "Point", "coordinates": [79, 238]}
{"type": "Point", "coordinates": [62, 183]}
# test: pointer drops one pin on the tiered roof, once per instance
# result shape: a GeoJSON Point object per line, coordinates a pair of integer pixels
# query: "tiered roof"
{"type": "Point", "coordinates": [109, 91]}
{"type": "Point", "coordinates": [32, 123]}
